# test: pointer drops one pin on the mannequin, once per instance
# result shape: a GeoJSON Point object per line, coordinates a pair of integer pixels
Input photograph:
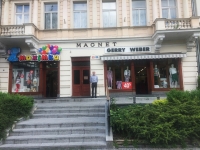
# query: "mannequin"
{"type": "Point", "coordinates": [173, 76]}
{"type": "Point", "coordinates": [109, 78]}
{"type": "Point", "coordinates": [156, 75]}
{"type": "Point", "coordinates": [17, 82]}
{"type": "Point", "coordinates": [127, 74]}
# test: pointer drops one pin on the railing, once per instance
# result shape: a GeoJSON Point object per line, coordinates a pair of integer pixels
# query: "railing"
{"type": "Point", "coordinates": [12, 30]}
{"type": "Point", "coordinates": [177, 23]}
{"type": "Point", "coordinates": [108, 109]}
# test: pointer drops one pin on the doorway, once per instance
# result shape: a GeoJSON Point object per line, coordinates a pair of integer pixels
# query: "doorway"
{"type": "Point", "coordinates": [51, 79]}
{"type": "Point", "coordinates": [141, 77]}
{"type": "Point", "coordinates": [81, 76]}
{"type": "Point", "coordinates": [51, 83]}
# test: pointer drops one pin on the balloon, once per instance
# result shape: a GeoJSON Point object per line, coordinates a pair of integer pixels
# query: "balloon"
{"type": "Point", "coordinates": [50, 52]}
{"type": "Point", "coordinates": [59, 49]}
{"type": "Point", "coordinates": [43, 52]}
{"type": "Point", "coordinates": [44, 47]}
{"type": "Point", "coordinates": [54, 51]}
{"type": "Point", "coordinates": [48, 45]}
{"type": "Point", "coordinates": [51, 47]}
{"type": "Point", "coordinates": [47, 49]}
{"type": "Point", "coordinates": [57, 52]}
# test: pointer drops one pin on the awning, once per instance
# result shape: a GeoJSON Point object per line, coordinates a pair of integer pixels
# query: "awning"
{"type": "Point", "coordinates": [155, 56]}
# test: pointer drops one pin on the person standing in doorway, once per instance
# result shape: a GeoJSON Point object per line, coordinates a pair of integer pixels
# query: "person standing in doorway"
{"type": "Point", "coordinates": [94, 81]}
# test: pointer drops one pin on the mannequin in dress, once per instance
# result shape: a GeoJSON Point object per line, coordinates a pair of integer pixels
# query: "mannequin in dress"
{"type": "Point", "coordinates": [127, 74]}
{"type": "Point", "coordinates": [156, 75]}
{"type": "Point", "coordinates": [109, 78]}
{"type": "Point", "coordinates": [173, 76]}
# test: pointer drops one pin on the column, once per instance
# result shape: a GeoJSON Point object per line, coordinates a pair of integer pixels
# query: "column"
{"type": "Point", "coordinates": [155, 10]}
{"type": "Point", "coordinates": [94, 14]}
{"type": "Point", "coordinates": [124, 13]}
{"type": "Point", "coordinates": [65, 14]}
{"type": "Point", "coordinates": [35, 13]}
{"type": "Point", "coordinates": [186, 9]}
{"type": "Point", "coordinates": [6, 12]}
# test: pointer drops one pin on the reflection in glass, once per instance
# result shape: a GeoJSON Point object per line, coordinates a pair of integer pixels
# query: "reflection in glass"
{"type": "Point", "coordinates": [76, 76]}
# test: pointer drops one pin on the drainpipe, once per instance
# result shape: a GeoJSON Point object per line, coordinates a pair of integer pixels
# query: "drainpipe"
{"type": "Point", "coordinates": [0, 10]}
{"type": "Point", "coordinates": [198, 54]}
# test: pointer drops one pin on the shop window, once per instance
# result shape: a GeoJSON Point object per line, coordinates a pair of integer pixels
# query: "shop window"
{"type": "Point", "coordinates": [80, 14]}
{"type": "Point", "coordinates": [139, 12]}
{"type": "Point", "coordinates": [118, 72]}
{"type": "Point", "coordinates": [166, 73]}
{"type": "Point", "coordinates": [25, 77]}
{"type": "Point", "coordinates": [51, 16]}
{"type": "Point", "coordinates": [109, 14]}
{"type": "Point", "coordinates": [168, 9]}
{"type": "Point", "coordinates": [22, 14]}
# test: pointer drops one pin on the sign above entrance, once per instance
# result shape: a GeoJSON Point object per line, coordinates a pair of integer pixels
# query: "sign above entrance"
{"type": "Point", "coordinates": [39, 57]}
{"type": "Point", "coordinates": [127, 49]}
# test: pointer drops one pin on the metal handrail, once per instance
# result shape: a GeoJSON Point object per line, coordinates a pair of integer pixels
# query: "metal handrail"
{"type": "Point", "coordinates": [108, 109]}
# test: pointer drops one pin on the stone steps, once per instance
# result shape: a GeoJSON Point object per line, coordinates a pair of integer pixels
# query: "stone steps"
{"type": "Point", "coordinates": [58, 131]}
{"type": "Point", "coordinates": [55, 146]}
{"type": "Point", "coordinates": [75, 110]}
{"type": "Point", "coordinates": [55, 138]}
{"type": "Point", "coordinates": [67, 115]}
{"type": "Point", "coordinates": [76, 124]}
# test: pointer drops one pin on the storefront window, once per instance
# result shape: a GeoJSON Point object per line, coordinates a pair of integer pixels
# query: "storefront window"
{"type": "Point", "coordinates": [25, 77]}
{"type": "Point", "coordinates": [165, 73]}
{"type": "Point", "coordinates": [118, 72]}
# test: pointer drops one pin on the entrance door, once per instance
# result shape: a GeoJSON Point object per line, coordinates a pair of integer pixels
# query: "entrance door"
{"type": "Point", "coordinates": [142, 77]}
{"type": "Point", "coordinates": [51, 83]}
{"type": "Point", "coordinates": [81, 81]}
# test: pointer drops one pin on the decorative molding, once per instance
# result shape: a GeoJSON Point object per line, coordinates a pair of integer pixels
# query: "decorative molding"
{"type": "Point", "coordinates": [158, 39]}
{"type": "Point", "coordinates": [33, 45]}
{"type": "Point", "coordinates": [191, 41]}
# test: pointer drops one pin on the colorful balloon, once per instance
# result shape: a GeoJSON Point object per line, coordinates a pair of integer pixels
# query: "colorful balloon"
{"type": "Point", "coordinates": [44, 47]}
{"type": "Point", "coordinates": [59, 49]}
{"type": "Point", "coordinates": [43, 52]}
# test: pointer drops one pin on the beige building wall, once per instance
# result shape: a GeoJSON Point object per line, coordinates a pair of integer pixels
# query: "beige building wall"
{"type": "Point", "coordinates": [189, 67]}
{"type": "Point", "coordinates": [4, 75]}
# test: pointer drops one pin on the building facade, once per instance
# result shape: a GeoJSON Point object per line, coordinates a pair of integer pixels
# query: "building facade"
{"type": "Point", "coordinates": [49, 48]}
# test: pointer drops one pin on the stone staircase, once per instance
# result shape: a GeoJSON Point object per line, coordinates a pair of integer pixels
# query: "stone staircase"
{"type": "Point", "coordinates": [61, 124]}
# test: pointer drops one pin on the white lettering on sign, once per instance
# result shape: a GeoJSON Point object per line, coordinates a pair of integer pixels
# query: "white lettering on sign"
{"type": "Point", "coordinates": [127, 85]}
{"type": "Point", "coordinates": [127, 49]}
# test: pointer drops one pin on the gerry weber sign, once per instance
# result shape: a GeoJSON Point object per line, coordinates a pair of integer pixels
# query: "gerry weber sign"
{"type": "Point", "coordinates": [127, 49]}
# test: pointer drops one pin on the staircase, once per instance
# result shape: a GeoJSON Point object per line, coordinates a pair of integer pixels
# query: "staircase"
{"type": "Point", "coordinates": [61, 124]}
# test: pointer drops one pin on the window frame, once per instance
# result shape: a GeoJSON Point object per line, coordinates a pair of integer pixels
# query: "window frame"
{"type": "Point", "coordinates": [168, 9]}
{"type": "Point", "coordinates": [23, 13]}
{"type": "Point", "coordinates": [51, 12]}
{"type": "Point", "coordinates": [139, 8]}
{"type": "Point", "coordinates": [80, 12]}
{"type": "Point", "coordinates": [109, 10]}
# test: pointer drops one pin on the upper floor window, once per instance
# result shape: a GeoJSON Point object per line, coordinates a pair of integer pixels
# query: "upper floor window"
{"type": "Point", "coordinates": [139, 12]}
{"type": "Point", "coordinates": [194, 10]}
{"type": "Point", "coordinates": [22, 14]}
{"type": "Point", "coordinates": [51, 16]}
{"type": "Point", "coordinates": [109, 14]}
{"type": "Point", "coordinates": [80, 14]}
{"type": "Point", "coordinates": [169, 9]}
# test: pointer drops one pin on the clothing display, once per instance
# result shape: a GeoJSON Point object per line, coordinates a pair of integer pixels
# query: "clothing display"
{"type": "Point", "coordinates": [119, 84]}
{"type": "Point", "coordinates": [127, 74]}
{"type": "Point", "coordinates": [109, 77]}
{"type": "Point", "coordinates": [156, 75]}
{"type": "Point", "coordinates": [174, 77]}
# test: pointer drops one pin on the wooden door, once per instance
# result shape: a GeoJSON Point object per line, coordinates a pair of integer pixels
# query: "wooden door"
{"type": "Point", "coordinates": [81, 81]}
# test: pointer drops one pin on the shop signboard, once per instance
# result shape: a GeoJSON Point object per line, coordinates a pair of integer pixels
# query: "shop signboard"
{"type": "Point", "coordinates": [127, 49]}
{"type": "Point", "coordinates": [46, 53]}
{"type": "Point", "coordinates": [127, 85]}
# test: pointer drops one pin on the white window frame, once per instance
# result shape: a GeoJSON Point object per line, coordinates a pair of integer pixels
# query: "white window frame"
{"type": "Point", "coordinates": [142, 8]}
{"type": "Point", "coordinates": [109, 10]}
{"type": "Point", "coordinates": [23, 13]}
{"type": "Point", "coordinates": [51, 12]}
{"type": "Point", "coordinates": [80, 11]}
{"type": "Point", "coordinates": [168, 8]}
